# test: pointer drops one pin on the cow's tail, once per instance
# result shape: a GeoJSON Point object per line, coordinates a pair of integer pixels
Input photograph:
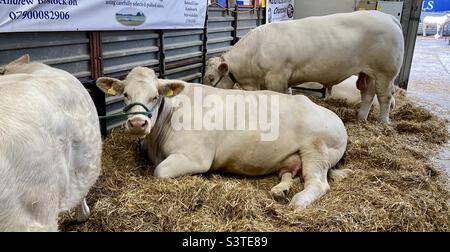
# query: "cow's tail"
{"type": "Point", "coordinates": [397, 22]}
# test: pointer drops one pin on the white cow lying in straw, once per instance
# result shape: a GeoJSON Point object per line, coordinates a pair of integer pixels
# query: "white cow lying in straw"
{"type": "Point", "coordinates": [440, 22]}
{"type": "Point", "coordinates": [50, 146]}
{"type": "Point", "coordinates": [199, 130]}
{"type": "Point", "coordinates": [326, 50]}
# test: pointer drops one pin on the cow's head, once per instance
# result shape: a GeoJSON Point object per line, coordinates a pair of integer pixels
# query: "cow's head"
{"type": "Point", "coordinates": [216, 73]}
{"type": "Point", "coordinates": [15, 65]}
{"type": "Point", "coordinates": [140, 86]}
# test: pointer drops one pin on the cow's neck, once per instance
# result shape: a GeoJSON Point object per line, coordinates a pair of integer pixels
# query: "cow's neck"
{"type": "Point", "coordinates": [160, 131]}
{"type": "Point", "coordinates": [231, 78]}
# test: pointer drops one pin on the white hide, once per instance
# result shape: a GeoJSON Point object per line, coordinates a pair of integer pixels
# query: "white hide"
{"type": "Point", "coordinates": [310, 136]}
{"type": "Point", "coordinates": [326, 50]}
{"type": "Point", "coordinates": [50, 146]}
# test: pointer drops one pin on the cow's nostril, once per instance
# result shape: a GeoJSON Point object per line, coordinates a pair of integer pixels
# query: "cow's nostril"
{"type": "Point", "coordinates": [145, 123]}
{"type": "Point", "coordinates": [130, 123]}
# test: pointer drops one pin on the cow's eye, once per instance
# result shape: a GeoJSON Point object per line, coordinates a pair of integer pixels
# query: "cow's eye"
{"type": "Point", "coordinates": [125, 95]}
{"type": "Point", "coordinates": [152, 99]}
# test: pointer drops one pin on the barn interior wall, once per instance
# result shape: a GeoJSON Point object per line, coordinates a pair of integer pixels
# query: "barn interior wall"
{"type": "Point", "coordinates": [307, 8]}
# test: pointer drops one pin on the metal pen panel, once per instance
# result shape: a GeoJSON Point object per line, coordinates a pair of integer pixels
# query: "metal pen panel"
{"type": "Point", "coordinates": [124, 50]}
{"type": "Point", "coordinates": [184, 54]}
{"type": "Point", "coordinates": [65, 50]}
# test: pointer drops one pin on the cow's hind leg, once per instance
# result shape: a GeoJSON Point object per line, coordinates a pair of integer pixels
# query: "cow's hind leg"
{"type": "Point", "coordinates": [328, 92]}
{"type": "Point", "coordinates": [438, 31]}
{"type": "Point", "coordinates": [276, 82]}
{"type": "Point", "coordinates": [315, 166]}
{"type": "Point", "coordinates": [288, 169]}
{"type": "Point", "coordinates": [178, 164]}
{"type": "Point", "coordinates": [367, 90]}
{"type": "Point", "coordinates": [279, 191]}
{"type": "Point", "coordinates": [384, 90]}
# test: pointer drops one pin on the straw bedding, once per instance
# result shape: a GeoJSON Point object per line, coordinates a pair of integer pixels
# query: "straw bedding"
{"type": "Point", "coordinates": [394, 186]}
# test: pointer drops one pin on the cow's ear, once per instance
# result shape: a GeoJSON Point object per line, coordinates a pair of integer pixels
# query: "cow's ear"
{"type": "Point", "coordinates": [110, 86]}
{"type": "Point", "coordinates": [170, 88]}
{"type": "Point", "coordinates": [223, 68]}
{"type": "Point", "coordinates": [25, 59]}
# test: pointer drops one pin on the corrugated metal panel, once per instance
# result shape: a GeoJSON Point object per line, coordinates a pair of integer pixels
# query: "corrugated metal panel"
{"type": "Point", "coordinates": [183, 54]}
{"type": "Point", "coordinates": [431, 30]}
{"type": "Point", "coordinates": [114, 104]}
{"type": "Point", "coordinates": [124, 50]}
{"type": "Point", "coordinates": [247, 20]}
{"type": "Point", "coordinates": [65, 50]}
{"type": "Point", "coordinates": [189, 73]}
{"type": "Point", "coordinates": [220, 29]}
{"type": "Point", "coordinates": [182, 45]}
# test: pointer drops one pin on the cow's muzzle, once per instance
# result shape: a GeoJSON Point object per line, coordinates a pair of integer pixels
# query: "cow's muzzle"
{"type": "Point", "coordinates": [138, 126]}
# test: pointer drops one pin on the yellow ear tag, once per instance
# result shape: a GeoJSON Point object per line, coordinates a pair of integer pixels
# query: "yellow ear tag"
{"type": "Point", "coordinates": [169, 93]}
{"type": "Point", "coordinates": [111, 91]}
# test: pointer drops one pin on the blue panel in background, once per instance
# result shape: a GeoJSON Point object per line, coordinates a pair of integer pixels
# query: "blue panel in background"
{"type": "Point", "coordinates": [222, 3]}
{"type": "Point", "coordinates": [436, 5]}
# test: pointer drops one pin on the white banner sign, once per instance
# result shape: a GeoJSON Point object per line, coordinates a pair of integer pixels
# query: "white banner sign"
{"type": "Point", "coordinates": [279, 10]}
{"type": "Point", "coordinates": [74, 15]}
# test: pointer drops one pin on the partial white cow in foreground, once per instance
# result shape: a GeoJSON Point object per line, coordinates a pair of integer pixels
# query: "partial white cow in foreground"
{"type": "Point", "coordinates": [50, 146]}
{"type": "Point", "coordinates": [310, 141]}
{"type": "Point", "coordinates": [440, 22]}
{"type": "Point", "coordinates": [326, 49]}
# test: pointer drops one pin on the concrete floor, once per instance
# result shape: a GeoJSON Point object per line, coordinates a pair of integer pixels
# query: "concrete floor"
{"type": "Point", "coordinates": [429, 83]}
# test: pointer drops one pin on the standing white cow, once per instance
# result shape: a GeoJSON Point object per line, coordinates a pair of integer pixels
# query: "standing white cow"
{"type": "Point", "coordinates": [50, 146]}
{"type": "Point", "coordinates": [440, 22]}
{"type": "Point", "coordinates": [311, 139]}
{"type": "Point", "coordinates": [326, 49]}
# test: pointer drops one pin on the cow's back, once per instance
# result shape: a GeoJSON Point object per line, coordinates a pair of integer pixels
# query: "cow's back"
{"type": "Point", "coordinates": [50, 141]}
{"type": "Point", "coordinates": [325, 49]}
{"type": "Point", "coordinates": [297, 117]}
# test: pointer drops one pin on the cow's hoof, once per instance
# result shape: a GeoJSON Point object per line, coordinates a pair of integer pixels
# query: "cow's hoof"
{"type": "Point", "coordinates": [299, 202]}
{"type": "Point", "coordinates": [279, 193]}
{"type": "Point", "coordinates": [385, 121]}
{"type": "Point", "coordinates": [362, 117]}
{"type": "Point", "coordinates": [289, 91]}
{"type": "Point", "coordinates": [82, 213]}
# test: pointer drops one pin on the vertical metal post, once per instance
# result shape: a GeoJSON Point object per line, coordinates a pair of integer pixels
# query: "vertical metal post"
{"type": "Point", "coordinates": [410, 22]}
{"type": "Point", "coordinates": [263, 15]}
{"type": "Point", "coordinates": [235, 24]}
{"type": "Point", "coordinates": [99, 98]}
{"type": "Point", "coordinates": [162, 55]}
{"type": "Point", "coordinates": [94, 54]}
{"type": "Point", "coordinates": [258, 14]}
{"type": "Point", "coordinates": [205, 45]}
